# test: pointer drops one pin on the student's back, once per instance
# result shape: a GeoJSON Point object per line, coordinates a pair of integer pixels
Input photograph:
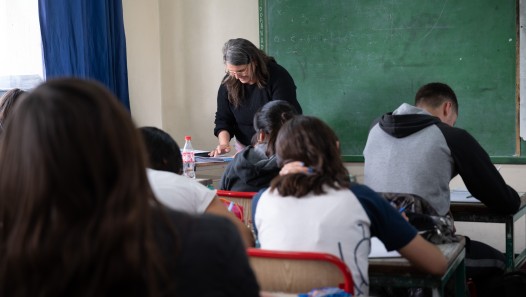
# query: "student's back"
{"type": "Point", "coordinates": [314, 210]}
{"type": "Point", "coordinates": [209, 256]}
{"type": "Point", "coordinates": [164, 171]}
{"type": "Point", "coordinates": [417, 150]}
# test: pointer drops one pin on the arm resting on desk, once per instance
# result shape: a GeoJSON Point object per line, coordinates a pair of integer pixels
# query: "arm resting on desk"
{"type": "Point", "coordinates": [217, 208]}
{"type": "Point", "coordinates": [479, 174]}
{"type": "Point", "coordinates": [424, 255]}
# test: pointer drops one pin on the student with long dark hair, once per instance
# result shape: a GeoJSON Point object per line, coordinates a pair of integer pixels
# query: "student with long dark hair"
{"type": "Point", "coordinates": [314, 210]}
{"type": "Point", "coordinates": [78, 217]}
{"type": "Point", "coordinates": [253, 168]}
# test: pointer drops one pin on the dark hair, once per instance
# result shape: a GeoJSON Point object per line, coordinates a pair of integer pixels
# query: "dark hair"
{"type": "Point", "coordinates": [76, 210]}
{"type": "Point", "coordinates": [434, 94]}
{"type": "Point", "coordinates": [163, 151]}
{"type": "Point", "coordinates": [311, 141]}
{"type": "Point", "coordinates": [240, 51]}
{"type": "Point", "coordinates": [270, 118]}
{"type": "Point", "coordinates": [7, 102]}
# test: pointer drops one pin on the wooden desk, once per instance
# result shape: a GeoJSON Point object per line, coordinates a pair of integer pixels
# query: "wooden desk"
{"type": "Point", "coordinates": [398, 272]}
{"type": "Point", "coordinates": [478, 212]}
{"type": "Point", "coordinates": [211, 170]}
{"type": "Point", "coordinates": [204, 181]}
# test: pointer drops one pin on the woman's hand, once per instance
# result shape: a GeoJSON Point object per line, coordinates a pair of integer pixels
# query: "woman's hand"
{"type": "Point", "coordinates": [295, 167]}
{"type": "Point", "coordinates": [219, 150]}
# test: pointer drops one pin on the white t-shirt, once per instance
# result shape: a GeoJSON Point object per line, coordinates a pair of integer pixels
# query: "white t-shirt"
{"type": "Point", "coordinates": [179, 192]}
{"type": "Point", "coordinates": [334, 223]}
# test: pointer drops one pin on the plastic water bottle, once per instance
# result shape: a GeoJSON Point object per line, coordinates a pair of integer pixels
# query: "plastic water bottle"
{"type": "Point", "coordinates": [188, 158]}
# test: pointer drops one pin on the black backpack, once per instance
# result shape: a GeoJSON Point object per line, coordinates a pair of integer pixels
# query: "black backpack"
{"type": "Point", "coordinates": [433, 227]}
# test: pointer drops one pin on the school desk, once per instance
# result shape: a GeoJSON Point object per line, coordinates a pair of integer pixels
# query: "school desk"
{"type": "Point", "coordinates": [210, 170]}
{"type": "Point", "coordinates": [398, 272]}
{"type": "Point", "coordinates": [204, 181]}
{"type": "Point", "coordinates": [478, 212]}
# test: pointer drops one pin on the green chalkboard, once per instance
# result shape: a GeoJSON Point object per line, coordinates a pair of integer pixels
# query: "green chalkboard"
{"type": "Point", "coordinates": [353, 60]}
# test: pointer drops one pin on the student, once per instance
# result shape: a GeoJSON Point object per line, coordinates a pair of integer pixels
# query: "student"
{"type": "Point", "coordinates": [253, 168]}
{"type": "Point", "coordinates": [252, 79]}
{"type": "Point", "coordinates": [316, 211]}
{"type": "Point", "coordinates": [164, 153]}
{"type": "Point", "coordinates": [78, 217]}
{"type": "Point", "coordinates": [176, 191]}
{"type": "Point", "coordinates": [7, 101]}
{"type": "Point", "coordinates": [416, 149]}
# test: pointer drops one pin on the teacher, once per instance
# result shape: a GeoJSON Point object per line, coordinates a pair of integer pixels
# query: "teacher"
{"type": "Point", "coordinates": [252, 79]}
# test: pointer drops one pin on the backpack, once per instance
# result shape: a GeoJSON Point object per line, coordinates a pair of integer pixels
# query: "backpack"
{"type": "Point", "coordinates": [433, 227]}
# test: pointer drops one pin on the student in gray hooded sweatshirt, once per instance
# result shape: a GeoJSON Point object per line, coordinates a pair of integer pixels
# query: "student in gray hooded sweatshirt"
{"type": "Point", "coordinates": [416, 149]}
{"type": "Point", "coordinates": [254, 167]}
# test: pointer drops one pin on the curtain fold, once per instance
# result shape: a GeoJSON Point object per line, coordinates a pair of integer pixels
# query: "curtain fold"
{"type": "Point", "coordinates": [85, 39]}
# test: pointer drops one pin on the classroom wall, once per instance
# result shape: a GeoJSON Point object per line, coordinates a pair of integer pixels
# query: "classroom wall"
{"type": "Point", "coordinates": [141, 25]}
{"type": "Point", "coordinates": [175, 61]}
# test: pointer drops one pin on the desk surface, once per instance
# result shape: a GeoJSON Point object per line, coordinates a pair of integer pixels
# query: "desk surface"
{"type": "Point", "coordinates": [398, 272]}
{"type": "Point", "coordinates": [478, 212]}
{"type": "Point", "coordinates": [204, 181]}
{"type": "Point", "coordinates": [401, 265]}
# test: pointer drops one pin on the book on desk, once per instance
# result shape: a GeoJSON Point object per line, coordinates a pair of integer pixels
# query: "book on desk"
{"type": "Point", "coordinates": [213, 159]}
{"type": "Point", "coordinates": [203, 157]}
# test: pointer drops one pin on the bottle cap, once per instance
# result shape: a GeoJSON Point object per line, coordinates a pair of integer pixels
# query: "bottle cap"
{"type": "Point", "coordinates": [188, 137]}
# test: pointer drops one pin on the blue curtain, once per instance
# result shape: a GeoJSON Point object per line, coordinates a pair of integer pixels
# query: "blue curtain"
{"type": "Point", "coordinates": [85, 39]}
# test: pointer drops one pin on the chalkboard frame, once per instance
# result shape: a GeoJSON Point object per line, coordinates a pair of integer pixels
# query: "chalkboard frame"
{"type": "Point", "coordinates": [515, 158]}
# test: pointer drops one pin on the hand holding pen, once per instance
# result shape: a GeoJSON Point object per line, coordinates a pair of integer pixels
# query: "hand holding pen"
{"type": "Point", "coordinates": [405, 206]}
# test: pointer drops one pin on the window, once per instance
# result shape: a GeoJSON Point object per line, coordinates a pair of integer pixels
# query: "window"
{"type": "Point", "coordinates": [21, 50]}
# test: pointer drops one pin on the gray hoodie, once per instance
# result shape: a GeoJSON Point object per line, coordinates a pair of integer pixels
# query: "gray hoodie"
{"type": "Point", "coordinates": [250, 171]}
{"type": "Point", "coordinates": [411, 151]}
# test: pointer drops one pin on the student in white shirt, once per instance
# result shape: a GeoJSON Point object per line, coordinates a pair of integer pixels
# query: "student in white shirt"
{"type": "Point", "coordinates": [176, 191]}
{"type": "Point", "coordinates": [316, 211]}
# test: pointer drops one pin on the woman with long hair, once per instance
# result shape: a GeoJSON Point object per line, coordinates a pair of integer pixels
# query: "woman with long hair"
{"type": "Point", "coordinates": [314, 210]}
{"type": "Point", "coordinates": [252, 79]}
{"type": "Point", "coordinates": [78, 217]}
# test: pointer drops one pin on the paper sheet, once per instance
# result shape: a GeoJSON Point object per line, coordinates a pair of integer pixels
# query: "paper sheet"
{"type": "Point", "coordinates": [378, 250]}
{"type": "Point", "coordinates": [462, 196]}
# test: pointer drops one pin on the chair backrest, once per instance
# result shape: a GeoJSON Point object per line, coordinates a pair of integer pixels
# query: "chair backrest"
{"type": "Point", "coordinates": [299, 272]}
{"type": "Point", "coordinates": [242, 198]}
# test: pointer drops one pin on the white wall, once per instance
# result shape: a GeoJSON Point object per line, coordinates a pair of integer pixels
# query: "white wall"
{"type": "Point", "coordinates": [141, 24]}
{"type": "Point", "coordinates": [175, 62]}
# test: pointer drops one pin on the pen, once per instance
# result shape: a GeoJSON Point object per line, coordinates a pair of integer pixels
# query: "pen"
{"type": "Point", "coordinates": [403, 208]}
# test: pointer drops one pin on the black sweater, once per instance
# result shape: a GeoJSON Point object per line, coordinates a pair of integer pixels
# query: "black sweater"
{"type": "Point", "coordinates": [239, 121]}
{"type": "Point", "coordinates": [208, 256]}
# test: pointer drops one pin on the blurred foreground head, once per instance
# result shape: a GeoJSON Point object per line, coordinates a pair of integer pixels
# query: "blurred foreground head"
{"type": "Point", "coordinates": [74, 207]}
